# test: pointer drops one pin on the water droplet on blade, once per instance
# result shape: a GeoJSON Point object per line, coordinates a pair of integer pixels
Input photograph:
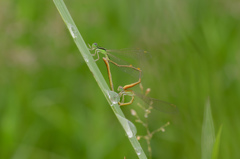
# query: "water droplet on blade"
{"type": "Point", "coordinates": [114, 97]}
{"type": "Point", "coordinates": [72, 30]}
{"type": "Point", "coordinates": [85, 58]}
{"type": "Point", "coordinates": [129, 127]}
{"type": "Point", "coordinates": [138, 151]}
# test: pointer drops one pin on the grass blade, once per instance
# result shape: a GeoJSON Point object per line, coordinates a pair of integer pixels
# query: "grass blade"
{"type": "Point", "coordinates": [216, 145]}
{"type": "Point", "coordinates": [208, 133]}
{"type": "Point", "coordinates": [97, 74]}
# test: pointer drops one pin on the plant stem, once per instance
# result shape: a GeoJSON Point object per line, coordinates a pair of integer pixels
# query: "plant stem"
{"type": "Point", "coordinates": [96, 73]}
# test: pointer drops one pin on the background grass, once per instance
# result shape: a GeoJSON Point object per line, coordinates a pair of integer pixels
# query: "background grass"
{"type": "Point", "coordinates": [51, 106]}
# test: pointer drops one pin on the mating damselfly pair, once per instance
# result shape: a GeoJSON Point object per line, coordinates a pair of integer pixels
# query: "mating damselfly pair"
{"type": "Point", "coordinates": [109, 57]}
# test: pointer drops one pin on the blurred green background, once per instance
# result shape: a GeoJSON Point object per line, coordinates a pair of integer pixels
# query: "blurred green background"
{"type": "Point", "coordinates": [52, 107]}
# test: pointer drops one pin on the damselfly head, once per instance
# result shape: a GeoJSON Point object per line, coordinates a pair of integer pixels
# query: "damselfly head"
{"type": "Point", "coordinates": [120, 89]}
{"type": "Point", "coordinates": [94, 45]}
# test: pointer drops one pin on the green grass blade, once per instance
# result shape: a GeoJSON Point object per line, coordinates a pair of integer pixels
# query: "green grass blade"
{"type": "Point", "coordinates": [216, 145]}
{"type": "Point", "coordinates": [208, 133]}
{"type": "Point", "coordinates": [110, 96]}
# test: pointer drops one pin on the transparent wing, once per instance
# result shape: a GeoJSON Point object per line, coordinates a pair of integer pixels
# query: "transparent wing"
{"type": "Point", "coordinates": [134, 73]}
{"type": "Point", "coordinates": [132, 53]}
{"type": "Point", "coordinates": [159, 104]}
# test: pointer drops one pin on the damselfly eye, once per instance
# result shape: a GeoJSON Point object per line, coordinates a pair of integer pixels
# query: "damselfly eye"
{"type": "Point", "coordinates": [95, 44]}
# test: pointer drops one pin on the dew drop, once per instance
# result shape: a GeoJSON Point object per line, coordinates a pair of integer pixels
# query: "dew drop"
{"type": "Point", "coordinates": [133, 129]}
{"type": "Point", "coordinates": [86, 58]}
{"type": "Point", "coordinates": [129, 127]}
{"type": "Point", "coordinates": [114, 97]}
{"type": "Point", "coordinates": [138, 151]}
{"type": "Point", "coordinates": [72, 30]}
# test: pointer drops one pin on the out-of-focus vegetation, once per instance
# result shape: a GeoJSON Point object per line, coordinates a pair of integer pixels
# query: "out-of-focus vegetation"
{"type": "Point", "coordinates": [51, 106]}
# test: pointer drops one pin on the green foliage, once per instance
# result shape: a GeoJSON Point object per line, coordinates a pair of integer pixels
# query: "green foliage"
{"type": "Point", "coordinates": [208, 133]}
{"type": "Point", "coordinates": [216, 145]}
{"type": "Point", "coordinates": [51, 106]}
{"type": "Point", "coordinates": [111, 96]}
